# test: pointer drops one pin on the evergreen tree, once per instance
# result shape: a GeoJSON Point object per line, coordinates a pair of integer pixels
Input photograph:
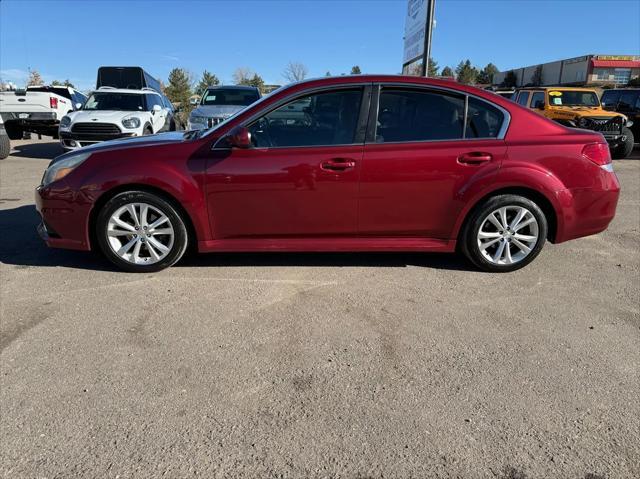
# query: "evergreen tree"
{"type": "Point", "coordinates": [355, 70]}
{"type": "Point", "coordinates": [432, 68]}
{"type": "Point", "coordinates": [466, 73]}
{"type": "Point", "coordinates": [207, 80]}
{"type": "Point", "coordinates": [487, 73]}
{"type": "Point", "coordinates": [447, 72]}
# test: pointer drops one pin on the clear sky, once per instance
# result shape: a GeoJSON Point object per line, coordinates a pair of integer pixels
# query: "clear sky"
{"type": "Point", "coordinates": [72, 39]}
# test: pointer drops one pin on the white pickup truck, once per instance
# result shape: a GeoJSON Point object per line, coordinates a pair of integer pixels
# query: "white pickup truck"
{"type": "Point", "coordinates": [38, 109]}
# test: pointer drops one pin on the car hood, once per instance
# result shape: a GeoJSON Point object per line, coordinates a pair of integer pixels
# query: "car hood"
{"type": "Point", "coordinates": [101, 116]}
{"type": "Point", "coordinates": [217, 110]}
{"type": "Point", "coordinates": [129, 142]}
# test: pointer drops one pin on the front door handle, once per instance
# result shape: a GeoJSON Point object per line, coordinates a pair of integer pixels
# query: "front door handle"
{"type": "Point", "coordinates": [337, 164]}
{"type": "Point", "coordinates": [474, 158]}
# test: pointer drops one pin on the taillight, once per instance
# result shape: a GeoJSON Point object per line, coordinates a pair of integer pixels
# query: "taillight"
{"type": "Point", "coordinates": [598, 153]}
{"type": "Point", "coordinates": [53, 102]}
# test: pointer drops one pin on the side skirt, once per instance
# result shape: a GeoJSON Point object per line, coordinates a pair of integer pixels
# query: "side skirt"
{"type": "Point", "coordinates": [327, 245]}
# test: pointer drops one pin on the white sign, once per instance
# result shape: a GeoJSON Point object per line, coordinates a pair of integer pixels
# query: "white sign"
{"type": "Point", "coordinates": [414, 30]}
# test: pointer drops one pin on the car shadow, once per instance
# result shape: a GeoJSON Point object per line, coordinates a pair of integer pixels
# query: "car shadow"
{"type": "Point", "coordinates": [21, 246]}
{"type": "Point", "coordinates": [44, 150]}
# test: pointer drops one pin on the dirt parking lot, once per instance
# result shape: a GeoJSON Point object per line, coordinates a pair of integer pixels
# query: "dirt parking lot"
{"type": "Point", "coordinates": [318, 365]}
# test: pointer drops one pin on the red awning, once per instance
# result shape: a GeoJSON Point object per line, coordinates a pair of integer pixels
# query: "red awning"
{"type": "Point", "coordinates": [616, 63]}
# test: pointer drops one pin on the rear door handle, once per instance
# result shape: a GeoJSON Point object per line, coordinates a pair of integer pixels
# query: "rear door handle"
{"type": "Point", "coordinates": [337, 164]}
{"type": "Point", "coordinates": [474, 158]}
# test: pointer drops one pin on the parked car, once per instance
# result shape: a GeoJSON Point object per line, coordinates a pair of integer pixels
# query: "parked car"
{"type": "Point", "coordinates": [381, 163]}
{"type": "Point", "coordinates": [5, 144]}
{"type": "Point", "coordinates": [112, 113]}
{"type": "Point", "coordinates": [38, 109]}
{"type": "Point", "coordinates": [580, 108]}
{"type": "Point", "coordinates": [219, 103]}
{"type": "Point", "coordinates": [627, 102]}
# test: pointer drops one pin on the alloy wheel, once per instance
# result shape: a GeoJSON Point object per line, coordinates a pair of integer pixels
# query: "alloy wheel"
{"type": "Point", "coordinates": [508, 235]}
{"type": "Point", "coordinates": [140, 233]}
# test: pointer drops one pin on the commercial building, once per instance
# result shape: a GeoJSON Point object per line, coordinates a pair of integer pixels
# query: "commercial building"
{"type": "Point", "coordinates": [588, 70]}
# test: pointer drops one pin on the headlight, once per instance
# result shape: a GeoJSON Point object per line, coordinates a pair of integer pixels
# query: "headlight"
{"type": "Point", "coordinates": [62, 168]}
{"type": "Point", "coordinates": [65, 122]}
{"type": "Point", "coordinates": [198, 119]}
{"type": "Point", "coordinates": [131, 122]}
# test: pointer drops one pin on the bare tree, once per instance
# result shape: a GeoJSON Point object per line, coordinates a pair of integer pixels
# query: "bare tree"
{"type": "Point", "coordinates": [295, 71]}
{"type": "Point", "coordinates": [34, 78]}
{"type": "Point", "coordinates": [242, 75]}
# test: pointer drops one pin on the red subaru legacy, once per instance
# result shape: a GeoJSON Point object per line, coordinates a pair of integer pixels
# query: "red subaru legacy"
{"type": "Point", "coordinates": [359, 163]}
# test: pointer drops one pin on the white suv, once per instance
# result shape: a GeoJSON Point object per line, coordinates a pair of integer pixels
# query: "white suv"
{"type": "Point", "coordinates": [112, 113]}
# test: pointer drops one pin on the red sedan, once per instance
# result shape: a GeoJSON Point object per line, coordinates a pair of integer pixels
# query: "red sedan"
{"type": "Point", "coordinates": [360, 163]}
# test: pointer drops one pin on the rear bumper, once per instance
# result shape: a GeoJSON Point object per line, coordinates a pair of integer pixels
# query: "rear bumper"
{"type": "Point", "coordinates": [587, 211]}
{"type": "Point", "coordinates": [36, 122]}
{"type": "Point", "coordinates": [64, 218]}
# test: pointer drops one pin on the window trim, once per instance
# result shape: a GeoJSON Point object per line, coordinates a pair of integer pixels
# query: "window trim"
{"type": "Point", "coordinates": [361, 125]}
{"type": "Point", "coordinates": [375, 105]}
{"type": "Point", "coordinates": [521, 93]}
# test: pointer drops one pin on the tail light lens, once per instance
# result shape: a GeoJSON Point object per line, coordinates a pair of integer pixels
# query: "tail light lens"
{"type": "Point", "coordinates": [597, 153]}
{"type": "Point", "coordinates": [53, 102]}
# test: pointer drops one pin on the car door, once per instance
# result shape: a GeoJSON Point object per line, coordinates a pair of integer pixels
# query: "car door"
{"type": "Point", "coordinates": [157, 118]}
{"type": "Point", "coordinates": [421, 156]}
{"type": "Point", "coordinates": [300, 178]}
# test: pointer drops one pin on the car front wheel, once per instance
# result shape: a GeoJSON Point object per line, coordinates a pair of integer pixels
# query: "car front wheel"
{"type": "Point", "coordinates": [624, 149]}
{"type": "Point", "coordinates": [504, 234]}
{"type": "Point", "coordinates": [141, 232]}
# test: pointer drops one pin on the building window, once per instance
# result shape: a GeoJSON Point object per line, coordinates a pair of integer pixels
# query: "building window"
{"type": "Point", "coordinates": [602, 74]}
{"type": "Point", "coordinates": [622, 76]}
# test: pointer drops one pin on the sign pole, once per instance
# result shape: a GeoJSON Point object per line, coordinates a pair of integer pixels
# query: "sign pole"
{"type": "Point", "coordinates": [431, 4]}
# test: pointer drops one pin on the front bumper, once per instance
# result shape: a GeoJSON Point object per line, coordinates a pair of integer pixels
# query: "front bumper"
{"type": "Point", "coordinates": [64, 216]}
{"type": "Point", "coordinates": [71, 141]}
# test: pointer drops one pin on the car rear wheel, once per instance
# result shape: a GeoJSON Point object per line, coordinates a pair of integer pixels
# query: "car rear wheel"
{"type": "Point", "coordinates": [504, 234]}
{"type": "Point", "coordinates": [141, 232]}
{"type": "Point", "coordinates": [626, 147]}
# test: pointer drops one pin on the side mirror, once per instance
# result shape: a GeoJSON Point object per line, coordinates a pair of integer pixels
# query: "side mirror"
{"type": "Point", "coordinates": [539, 105]}
{"type": "Point", "coordinates": [78, 106]}
{"type": "Point", "coordinates": [156, 108]}
{"type": "Point", "coordinates": [239, 137]}
{"type": "Point", "coordinates": [193, 101]}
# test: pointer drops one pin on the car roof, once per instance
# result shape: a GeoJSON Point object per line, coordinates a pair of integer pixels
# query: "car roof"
{"type": "Point", "coordinates": [556, 88]}
{"type": "Point", "coordinates": [232, 87]}
{"type": "Point", "coordinates": [125, 90]}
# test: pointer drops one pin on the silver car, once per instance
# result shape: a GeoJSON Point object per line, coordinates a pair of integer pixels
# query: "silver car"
{"type": "Point", "coordinates": [220, 102]}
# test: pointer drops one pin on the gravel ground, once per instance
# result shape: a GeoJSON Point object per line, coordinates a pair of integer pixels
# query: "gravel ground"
{"type": "Point", "coordinates": [318, 365]}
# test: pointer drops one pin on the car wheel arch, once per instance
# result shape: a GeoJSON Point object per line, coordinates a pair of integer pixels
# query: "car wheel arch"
{"type": "Point", "coordinates": [545, 204]}
{"type": "Point", "coordinates": [193, 236]}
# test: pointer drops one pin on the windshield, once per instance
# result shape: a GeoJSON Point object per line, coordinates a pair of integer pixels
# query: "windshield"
{"type": "Point", "coordinates": [573, 98]}
{"type": "Point", "coordinates": [115, 101]}
{"type": "Point", "coordinates": [229, 96]}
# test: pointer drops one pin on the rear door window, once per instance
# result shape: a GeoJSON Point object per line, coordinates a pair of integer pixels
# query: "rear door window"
{"type": "Point", "coordinates": [537, 100]}
{"type": "Point", "coordinates": [414, 115]}
{"type": "Point", "coordinates": [523, 98]}
{"type": "Point", "coordinates": [483, 120]}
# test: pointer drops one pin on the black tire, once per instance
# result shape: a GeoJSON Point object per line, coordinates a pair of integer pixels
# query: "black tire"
{"type": "Point", "coordinates": [13, 131]}
{"type": "Point", "coordinates": [180, 240]}
{"type": "Point", "coordinates": [624, 150]}
{"type": "Point", "coordinates": [5, 146]}
{"type": "Point", "coordinates": [469, 235]}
